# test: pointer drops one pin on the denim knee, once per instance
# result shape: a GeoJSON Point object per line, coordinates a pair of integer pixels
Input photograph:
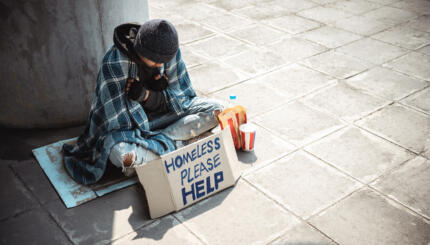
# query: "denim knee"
{"type": "Point", "coordinates": [118, 151]}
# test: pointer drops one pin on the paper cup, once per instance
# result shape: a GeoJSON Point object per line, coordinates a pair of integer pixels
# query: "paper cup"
{"type": "Point", "coordinates": [247, 133]}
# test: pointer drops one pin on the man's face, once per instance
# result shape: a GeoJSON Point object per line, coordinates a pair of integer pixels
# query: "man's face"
{"type": "Point", "coordinates": [151, 63]}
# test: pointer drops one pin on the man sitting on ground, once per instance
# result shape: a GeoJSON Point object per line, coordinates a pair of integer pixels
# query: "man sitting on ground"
{"type": "Point", "coordinates": [143, 106]}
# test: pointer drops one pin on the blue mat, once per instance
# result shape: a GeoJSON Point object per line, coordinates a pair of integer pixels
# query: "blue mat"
{"type": "Point", "coordinates": [73, 194]}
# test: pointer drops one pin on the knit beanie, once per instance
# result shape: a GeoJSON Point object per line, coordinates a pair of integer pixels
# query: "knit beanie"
{"type": "Point", "coordinates": [157, 40]}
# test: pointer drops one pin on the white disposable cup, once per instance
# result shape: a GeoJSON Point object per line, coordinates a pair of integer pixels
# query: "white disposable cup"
{"type": "Point", "coordinates": [247, 133]}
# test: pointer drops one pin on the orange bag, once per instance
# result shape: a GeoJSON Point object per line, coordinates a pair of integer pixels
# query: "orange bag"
{"type": "Point", "coordinates": [233, 117]}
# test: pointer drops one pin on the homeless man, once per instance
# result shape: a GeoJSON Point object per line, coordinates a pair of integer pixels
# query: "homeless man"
{"type": "Point", "coordinates": [143, 106]}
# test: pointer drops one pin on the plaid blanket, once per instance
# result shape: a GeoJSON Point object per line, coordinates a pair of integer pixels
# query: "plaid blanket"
{"type": "Point", "coordinates": [114, 118]}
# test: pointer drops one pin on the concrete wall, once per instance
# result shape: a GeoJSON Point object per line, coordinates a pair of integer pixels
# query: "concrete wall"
{"type": "Point", "coordinates": [50, 55]}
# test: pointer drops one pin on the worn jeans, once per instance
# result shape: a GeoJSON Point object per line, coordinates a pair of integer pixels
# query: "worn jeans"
{"type": "Point", "coordinates": [198, 119]}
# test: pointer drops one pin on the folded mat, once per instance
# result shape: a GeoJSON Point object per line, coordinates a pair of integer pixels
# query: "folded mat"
{"type": "Point", "coordinates": [72, 193]}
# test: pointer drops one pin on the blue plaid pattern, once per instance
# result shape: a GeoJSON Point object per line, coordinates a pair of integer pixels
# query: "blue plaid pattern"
{"type": "Point", "coordinates": [114, 118]}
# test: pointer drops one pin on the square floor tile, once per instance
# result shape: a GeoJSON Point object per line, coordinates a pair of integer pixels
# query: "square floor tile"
{"type": "Point", "coordinates": [268, 147]}
{"type": "Point", "coordinates": [406, 127]}
{"type": "Point", "coordinates": [426, 154]}
{"type": "Point", "coordinates": [405, 37]}
{"type": "Point", "coordinates": [191, 57]}
{"type": "Point", "coordinates": [419, 6]}
{"type": "Point", "coordinates": [168, 3]}
{"type": "Point", "coordinates": [231, 216]}
{"type": "Point", "coordinates": [166, 230]}
{"type": "Point", "coordinates": [223, 22]}
{"type": "Point", "coordinates": [15, 198]}
{"type": "Point", "coordinates": [188, 32]}
{"type": "Point", "coordinates": [214, 76]}
{"type": "Point", "coordinates": [258, 34]}
{"type": "Point", "coordinates": [330, 37]}
{"type": "Point", "coordinates": [296, 80]}
{"type": "Point", "coordinates": [322, 2]}
{"type": "Point", "coordinates": [336, 64]}
{"type": "Point", "coordinates": [103, 219]}
{"type": "Point", "coordinates": [290, 6]}
{"type": "Point", "coordinates": [386, 83]}
{"type": "Point", "coordinates": [262, 12]}
{"type": "Point", "coordinates": [292, 24]}
{"type": "Point", "coordinates": [390, 15]}
{"type": "Point", "coordinates": [409, 184]}
{"type": "Point", "coordinates": [217, 47]}
{"type": "Point", "coordinates": [324, 14]}
{"type": "Point", "coordinates": [368, 218]}
{"type": "Point", "coordinates": [160, 12]}
{"type": "Point", "coordinates": [255, 95]}
{"type": "Point", "coordinates": [354, 6]}
{"type": "Point", "coordinates": [414, 64]}
{"type": "Point", "coordinates": [362, 25]}
{"type": "Point", "coordinates": [372, 50]}
{"type": "Point", "coordinates": [420, 100]}
{"type": "Point", "coordinates": [384, 2]}
{"type": "Point", "coordinates": [344, 102]}
{"type": "Point", "coordinates": [256, 60]}
{"type": "Point", "coordinates": [358, 153]}
{"type": "Point", "coordinates": [34, 227]}
{"type": "Point", "coordinates": [425, 50]}
{"type": "Point", "coordinates": [231, 4]}
{"type": "Point", "coordinates": [303, 234]}
{"type": "Point", "coordinates": [294, 49]}
{"type": "Point", "coordinates": [303, 184]}
{"type": "Point", "coordinates": [198, 11]}
{"type": "Point", "coordinates": [422, 23]}
{"type": "Point", "coordinates": [298, 123]}
{"type": "Point", "coordinates": [35, 179]}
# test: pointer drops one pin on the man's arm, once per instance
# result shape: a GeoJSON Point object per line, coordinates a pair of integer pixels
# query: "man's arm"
{"type": "Point", "coordinates": [153, 101]}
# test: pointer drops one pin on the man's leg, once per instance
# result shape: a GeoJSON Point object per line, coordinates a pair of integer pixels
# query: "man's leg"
{"type": "Point", "coordinates": [199, 118]}
{"type": "Point", "coordinates": [127, 155]}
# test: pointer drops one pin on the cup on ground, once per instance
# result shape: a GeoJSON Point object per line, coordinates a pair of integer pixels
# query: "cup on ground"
{"type": "Point", "coordinates": [247, 133]}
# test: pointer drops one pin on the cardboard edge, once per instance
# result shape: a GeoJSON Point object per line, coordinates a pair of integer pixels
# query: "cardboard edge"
{"type": "Point", "coordinates": [227, 139]}
{"type": "Point", "coordinates": [117, 186]}
{"type": "Point", "coordinates": [68, 198]}
{"type": "Point", "coordinates": [232, 155]}
{"type": "Point", "coordinates": [158, 190]}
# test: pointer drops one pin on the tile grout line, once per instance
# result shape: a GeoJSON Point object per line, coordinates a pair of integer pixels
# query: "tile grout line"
{"type": "Point", "coordinates": [297, 98]}
{"type": "Point", "coordinates": [42, 206]}
{"type": "Point", "coordinates": [141, 227]}
{"type": "Point", "coordinates": [345, 78]}
{"type": "Point", "coordinates": [380, 135]}
{"type": "Point", "coordinates": [370, 131]}
{"type": "Point", "coordinates": [277, 203]}
{"type": "Point", "coordinates": [188, 228]}
{"type": "Point", "coordinates": [299, 148]}
{"type": "Point", "coordinates": [341, 171]}
{"type": "Point", "coordinates": [264, 113]}
{"type": "Point", "coordinates": [368, 184]}
{"type": "Point", "coordinates": [381, 97]}
{"type": "Point", "coordinates": [22, 212]}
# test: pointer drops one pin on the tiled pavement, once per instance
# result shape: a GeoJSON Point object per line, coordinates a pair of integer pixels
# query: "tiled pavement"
{"type": "Point", "coordinates": [340, 93]}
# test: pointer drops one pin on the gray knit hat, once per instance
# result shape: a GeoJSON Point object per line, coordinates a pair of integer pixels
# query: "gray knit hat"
{"type": "Point", "coordinates": [157, 40]}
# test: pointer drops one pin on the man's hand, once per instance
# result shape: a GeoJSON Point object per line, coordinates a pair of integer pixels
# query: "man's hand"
{"type": "Point", "coordinates": [158, 76]}
{"type": "Point", "coordinates": [135, 90]}
{"type": "Point", "coordinates": [130, 80]}
{"type": "Point", "coordinates": [159, 83]}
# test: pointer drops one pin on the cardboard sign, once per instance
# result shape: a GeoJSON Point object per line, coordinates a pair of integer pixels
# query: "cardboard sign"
{"type": "Point", "coordinates": [189, 174]}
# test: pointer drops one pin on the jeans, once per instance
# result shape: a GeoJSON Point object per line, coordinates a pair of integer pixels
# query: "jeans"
{"type": "Point", "coordinates": [198, 119]}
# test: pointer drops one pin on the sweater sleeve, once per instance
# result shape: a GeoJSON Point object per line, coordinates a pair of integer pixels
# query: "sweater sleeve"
{"type": "Point", "coordinates": [156, 102]}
